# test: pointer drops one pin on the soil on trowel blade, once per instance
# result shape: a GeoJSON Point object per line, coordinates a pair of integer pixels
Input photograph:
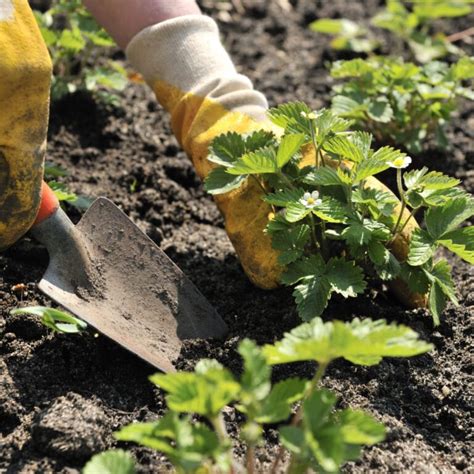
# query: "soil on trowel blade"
{"type": "Point", "coordinates": [63, 396]}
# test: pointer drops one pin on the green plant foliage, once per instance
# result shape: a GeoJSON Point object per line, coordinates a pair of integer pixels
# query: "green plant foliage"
{"type": "Point", "coordinates": [362, 342]}
{"type": "Point", "coordinates": [400, 102]}
{"type": "Point", "coordinates": [331, 229]}
{"type": "Point", "coordinates": [64, 195]}
{"type": "Point", "coordinates": [55, 319]}
{"type": "Point", "coordinates": [114, 461]}
{"type": "Point", "coordinates": [318, 436]}
{"type": "Point", "coordinates": [73, 38]}
{"type": "Point", "coordinates": [348, 35]}
{"type": "Point", "coordinates": [410, 21]}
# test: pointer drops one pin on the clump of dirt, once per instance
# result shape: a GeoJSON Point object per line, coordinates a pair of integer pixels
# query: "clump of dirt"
{"type": "Point", "coordinates": [62, 396]}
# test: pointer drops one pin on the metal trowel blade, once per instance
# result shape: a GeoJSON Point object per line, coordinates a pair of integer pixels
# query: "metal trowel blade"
{"type": "Point", "coordinates": [109, 273]}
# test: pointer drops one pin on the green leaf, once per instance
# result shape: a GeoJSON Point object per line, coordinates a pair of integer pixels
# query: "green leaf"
{"type": "Point", "coordinates": [345, 278]}
{"type": "Point", "coordinates": [341, 26]}
{"type": "Point", "coordinates": [461, 242]}
{"type": "Point", "coordinates": [258, 139]}
{"type": "Point", "coordinates": [277, 406]}
{"type": "Point", "coordinates": [205, 392]}
{"type": "Point", "coordinates": [72, 40]}
{"type": "Point", "coordinates": [380, 110]}
{"type": "Point", "coordinates": [357, 234]}
{"type": "Point", "coordinates": [463, 69]}
{"type": "Point", "coordinates": [325, 176]}
{"type": "Point", "coordinates": [282, 198]}
{"type": "Point", "coordinates": [312, 296]}
{"type": "Point", "coordinates": [291, 243]}
{"type": "Point", "coordinates": [347, 106]}
{"type": "Point", "coordinates": [440, 9]}
{"type": "Point", "coordinates": [436, 302]}
{"type": "Point", "coordinates": [292, 438]}
{"type": "Point", "coordinates": [261, 161]}
{"type": "Point", "coordinates": [353, 68]}
{"type": "Point", "coordinates": [422, 247]}
{"type": "Point", "coordinates": [441, 274]}
{"type": "Point", "coordinates": [343, 147]}
{"type": "Point", "coordinates": [226, 149]}
{"type": "Point", "coordinates": [331, 210]}
{"type": "Point", "coordinates": [377, 163]}
{"type": "Point", "coordinates": [188, 446]}
{"type": "Point", "coordinates": [362, 342]}
{"type": "Point", "coordinates": [296, 211]}
{"type": "Point", "coordinates": [218, 181]}
{"type": "Point", "coordinates": [415, 278]}
{"type": "Point", "coordinates": [114, 461]}
{"type": "Point", "coordinates": [443, 219]}
{"type": "Point", "coordinates": [255, 380]}
{"type": "Point", "coordinates": [310, 266]}
{"type": "Point", "coordinates": [288, 116]}
{"type": "Point", "coordinates": [360, 428]}
{"type": "Point", "coordinates": [289, 146]}
{"type": "Point", "coordinates": [58, 321]}
{"type": "Point", "coordinates": [433, 180]}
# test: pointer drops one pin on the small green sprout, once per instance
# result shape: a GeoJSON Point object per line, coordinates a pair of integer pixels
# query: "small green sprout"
{"type": "Point", "coordinates": [399, 102]}
{"type": "Point", "coordinates": [318, 436]}
{"type": "Point", "coordinates": [409, 21]}
{"type": "Point", "coordinates": [114, 461]}
{"type": "Point", "coordinates": [332, 228]}
{"type": "Point", "coordinates": [73, 37]}
{"type": "Point", "coordinates": [55, 319]}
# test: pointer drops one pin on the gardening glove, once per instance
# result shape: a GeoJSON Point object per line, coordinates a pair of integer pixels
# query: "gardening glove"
{"type": "Point", "coordinates": [25, 73]}
{"type": "Point", "coordinates": [184, 62]}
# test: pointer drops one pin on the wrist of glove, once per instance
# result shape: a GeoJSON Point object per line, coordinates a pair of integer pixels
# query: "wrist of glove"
{"type": "Point", "coordinates": [194, 79]}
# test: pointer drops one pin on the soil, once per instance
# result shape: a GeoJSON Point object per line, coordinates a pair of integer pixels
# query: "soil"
{"type": "Point", "coordinates": [62, 396]}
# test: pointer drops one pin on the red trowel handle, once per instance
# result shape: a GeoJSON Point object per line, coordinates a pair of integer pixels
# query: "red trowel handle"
{"type": "Point", "coordinates": [49, 204]}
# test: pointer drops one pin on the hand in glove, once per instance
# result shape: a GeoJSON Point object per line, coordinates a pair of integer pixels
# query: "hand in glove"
{"type": "Point", "coordinates": [25, 73]}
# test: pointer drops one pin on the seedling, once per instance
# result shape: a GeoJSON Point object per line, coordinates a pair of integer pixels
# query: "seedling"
{"type": "Point", "coordinates": [409, 21]}
{"type": "Point", "coordinates": [55, 319]}
{"type": "Point", "coordinates": [64, 195]}
{"type": "Point", "coordinates": [333, 228]}
{"type": "Point", "coordinates": [401, 103]}
{"type": "Point", "coordinates": [73, 37]}
{"type": "Point", "coordinates": [317, 436]}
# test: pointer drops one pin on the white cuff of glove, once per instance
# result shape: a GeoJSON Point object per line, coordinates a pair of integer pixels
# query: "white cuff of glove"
{"type": "Point", "coordinates": [186, 52]}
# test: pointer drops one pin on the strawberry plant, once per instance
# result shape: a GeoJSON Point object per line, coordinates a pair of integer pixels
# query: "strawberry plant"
{"type": "Point", "coordinates": [55, 319]}
{"type": "Point", "coordinates": [333, 227]}
{"type": "Point", "coordinates": [73, 37]}
{"type": "Point", "coordinates": [399, 102]}
{"type": "Point", "coordinates": [411, 22]}
{"type": "Point", "coordinates": [318, 436]}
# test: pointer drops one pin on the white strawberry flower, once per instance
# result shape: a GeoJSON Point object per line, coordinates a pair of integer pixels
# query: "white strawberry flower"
{"type": "Point", "coordinates": [311, 200]}
{"type": "Point", "coordinates": [400, 162]}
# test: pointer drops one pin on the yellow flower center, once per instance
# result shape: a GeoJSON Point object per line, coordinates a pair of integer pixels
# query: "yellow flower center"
{"type": "Point", "coordinates": [400, 161]}
{"type": "Point", "coordinates": [311, 201]}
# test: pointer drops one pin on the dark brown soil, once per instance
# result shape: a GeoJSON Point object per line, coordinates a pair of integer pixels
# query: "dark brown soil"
{"type": "Point", "coordinates": [61, 397]}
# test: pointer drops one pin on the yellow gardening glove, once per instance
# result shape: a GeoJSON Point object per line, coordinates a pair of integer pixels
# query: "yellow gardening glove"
{"type": "Point", "coordinates": [25, 73]}
{"type": "Point", "coordinates": [194, 79]}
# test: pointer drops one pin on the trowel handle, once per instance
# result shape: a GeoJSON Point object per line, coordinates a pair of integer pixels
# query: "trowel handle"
{"type": "Point", "coordinates": [49, 204]}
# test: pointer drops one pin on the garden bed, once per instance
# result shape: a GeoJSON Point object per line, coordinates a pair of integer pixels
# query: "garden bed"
{"type": "Point", "coordinates": [61, 396]}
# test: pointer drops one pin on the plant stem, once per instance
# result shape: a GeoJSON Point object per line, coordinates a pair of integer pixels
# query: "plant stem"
{"type": "Point", "coordinates": [286, 180]}
{"type": "Point", "coordinates": [313, 230]}
{"type": "Point", "coordinates": [299, 414]}
{"type": "Point", "coordinates": [250, 459]}
{"type": "Point", "coordinates": [402, 197]}
{"type": "Point", "coordinates": [412, 214]}
{"type": "Point", "coordinates": [315, 146]}
{"type": "Point", "coordinates": [219, 425]}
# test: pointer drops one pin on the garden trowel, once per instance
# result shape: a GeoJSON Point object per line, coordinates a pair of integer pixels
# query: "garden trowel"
{"type": "Point", "coordinates": [109, 273]}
